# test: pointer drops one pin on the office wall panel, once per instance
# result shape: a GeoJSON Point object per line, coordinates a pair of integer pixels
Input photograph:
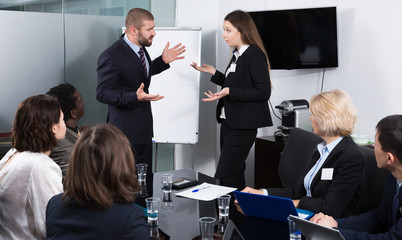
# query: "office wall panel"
{"type": "Point", "coordinates": [31, 59]}
{"type": "Point", "coordinates": [86, 37]}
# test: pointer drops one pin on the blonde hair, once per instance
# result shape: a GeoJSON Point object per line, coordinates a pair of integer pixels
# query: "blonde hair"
{"type": "Point", "coordinates": [334, 112]}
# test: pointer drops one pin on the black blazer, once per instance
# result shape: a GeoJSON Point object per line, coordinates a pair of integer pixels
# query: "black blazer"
{"type": "Point", "coordinates": [246, 106]}
{"type": "Point", "coordinates": [72, 221]}
{"type": "Point", "coordinates": [375, 224]}
{"type": "Point", "coordinates": [120, 74]}
{"type": "Point", "coordinates": [337, 197]}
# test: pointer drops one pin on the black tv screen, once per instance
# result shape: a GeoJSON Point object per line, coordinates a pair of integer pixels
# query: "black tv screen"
{"type": "Point", "coordinates": [299, 38]}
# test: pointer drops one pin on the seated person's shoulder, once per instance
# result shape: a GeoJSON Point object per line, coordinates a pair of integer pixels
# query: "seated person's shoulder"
{"type": "Point", "coordinates": [350, 148]}
{"type": "Point", "coordinates": [129, 208]}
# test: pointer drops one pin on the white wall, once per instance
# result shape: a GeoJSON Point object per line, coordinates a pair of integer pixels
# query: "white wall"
{"type": "Point", "coordinates": [201, 14]}
{"type": "Point", "coordinates": [369, 45]}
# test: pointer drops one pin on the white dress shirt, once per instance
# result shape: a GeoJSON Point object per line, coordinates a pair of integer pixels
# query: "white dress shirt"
{"type": "Point", "coordinates": [232, 68]}
{"type": "Point", "coordinates": [27, 182]}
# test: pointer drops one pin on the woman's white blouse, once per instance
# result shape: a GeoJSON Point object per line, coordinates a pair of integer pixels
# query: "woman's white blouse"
{"type": "Point", "coordinates": [27, 182]}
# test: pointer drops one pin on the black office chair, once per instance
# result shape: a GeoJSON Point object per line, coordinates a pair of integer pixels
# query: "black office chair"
{"type": "Point", "coordinates": [374, 183]}
{"type": "Point", "coordinates": [296, 155]}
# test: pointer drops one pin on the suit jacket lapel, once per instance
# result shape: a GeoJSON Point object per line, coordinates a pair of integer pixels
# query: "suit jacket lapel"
{"type": "Point", "coordinates": [133, 57]}
{"type": "Point", "coordinates": [338, 148]}
{"type": "Point", "coordinates": [316, 156]}
{"type": "Point", "coordinates": [329, 159]}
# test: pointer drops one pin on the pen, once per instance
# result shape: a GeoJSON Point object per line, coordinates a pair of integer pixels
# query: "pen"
{"type": "Point", "coordinates": [198, 189]}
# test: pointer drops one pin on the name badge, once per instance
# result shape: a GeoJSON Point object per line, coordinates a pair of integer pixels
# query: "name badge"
{"type": "Point", "coordinates": [327, 173]}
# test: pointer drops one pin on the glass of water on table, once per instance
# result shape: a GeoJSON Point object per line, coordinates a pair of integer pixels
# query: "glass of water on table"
{"type": "Point", "coordinates": [223, 205]}
{"type": "Point", "coordinates": [167, 180]}
{"type": "Point", "coordinates": [152, 210]}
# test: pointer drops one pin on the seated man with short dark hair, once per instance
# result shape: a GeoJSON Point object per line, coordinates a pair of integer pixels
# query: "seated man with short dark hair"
{"type": "Point", "coordinates": [384, 222]}
{"type": "Point", "coordinates": [72, 106]}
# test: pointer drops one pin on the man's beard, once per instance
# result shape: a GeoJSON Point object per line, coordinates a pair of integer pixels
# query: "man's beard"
{"type": "Point", "coordinates": [143, 41]}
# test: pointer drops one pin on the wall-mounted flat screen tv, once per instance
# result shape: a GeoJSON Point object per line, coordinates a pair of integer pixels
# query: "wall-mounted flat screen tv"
{"type": "Point", "coordinates": [299, 38]}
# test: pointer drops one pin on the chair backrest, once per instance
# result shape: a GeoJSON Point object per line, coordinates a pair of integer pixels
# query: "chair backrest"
{"type": "Point", "coordinates": [296, 155]}
{"type": "Point", "coordinates": [374, 183]}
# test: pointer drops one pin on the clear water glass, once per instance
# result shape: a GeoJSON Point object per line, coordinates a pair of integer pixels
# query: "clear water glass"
{"type": "Point", "coordinates": [142, 171]}
{"type": "Point", "coordinates": [167, 180]}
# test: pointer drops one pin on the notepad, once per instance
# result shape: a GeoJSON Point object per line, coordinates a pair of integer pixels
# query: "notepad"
{"type": "Point", "coordinates": [205, 192]}
{"type": "Point", "coordinates": [269, 207]}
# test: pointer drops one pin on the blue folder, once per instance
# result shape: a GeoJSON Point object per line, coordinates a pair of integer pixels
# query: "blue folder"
{"type": "Point", "coordinates": [269, 207]}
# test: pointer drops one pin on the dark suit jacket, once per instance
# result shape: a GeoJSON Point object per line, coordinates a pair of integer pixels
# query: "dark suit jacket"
{"type": "Point", "coordinates": [120, 74]}
{"type": "Point", "coordinates": [337, 197]}
{"type": "Point", "coordinates": [375, 224]}
{"type": "Point", "coordinates": [246, 106]}
{"type": "Point", "coordinates": [72, 221]}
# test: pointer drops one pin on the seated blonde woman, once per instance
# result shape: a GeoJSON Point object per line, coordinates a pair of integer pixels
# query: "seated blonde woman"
{"type": "Point", "coordinates": [332, 180]}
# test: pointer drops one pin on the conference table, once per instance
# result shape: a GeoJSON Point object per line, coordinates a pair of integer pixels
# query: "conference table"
{"type": "Point", "coordinates": [179, 217]}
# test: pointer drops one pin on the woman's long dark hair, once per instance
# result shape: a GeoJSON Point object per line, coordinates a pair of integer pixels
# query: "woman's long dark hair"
{"type": "Point", "coordinates": [246, 26]}
{"type": "Point", "coordinates": [101, 169]}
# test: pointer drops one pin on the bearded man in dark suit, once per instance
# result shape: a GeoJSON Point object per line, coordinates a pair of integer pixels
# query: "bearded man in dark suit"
{"type": "Point", "coordinates": [124, 77]}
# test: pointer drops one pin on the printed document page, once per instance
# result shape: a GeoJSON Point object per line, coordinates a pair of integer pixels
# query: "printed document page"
{"type": "Point", "coordinates": [205, 192]}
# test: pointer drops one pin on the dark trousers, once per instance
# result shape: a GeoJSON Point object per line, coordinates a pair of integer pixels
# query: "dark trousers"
{"type": "Point", "coordinates": [235, 146]}
{"type": "Point", "coordinates": [143, 154]}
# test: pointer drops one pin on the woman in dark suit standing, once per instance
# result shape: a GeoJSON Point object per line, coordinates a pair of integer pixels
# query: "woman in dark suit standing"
{"type": "Point", "coordinates": [99, 191]}
{"type": "Point", "coordinates": [332, 180]}
{"type": "Point", "coordinates": [243, 100]}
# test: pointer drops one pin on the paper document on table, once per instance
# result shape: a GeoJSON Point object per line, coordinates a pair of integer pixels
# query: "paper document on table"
{"type": "Point", "coordinates": [205, 192]}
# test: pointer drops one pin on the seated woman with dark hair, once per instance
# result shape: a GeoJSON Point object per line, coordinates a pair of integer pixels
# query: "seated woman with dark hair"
{"type": "Point", "coordinates": [331, 182]}
{"type": "Point", "coordinates": [99, 191]}
{"type": "Point", "coordinates": [28, 177]}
